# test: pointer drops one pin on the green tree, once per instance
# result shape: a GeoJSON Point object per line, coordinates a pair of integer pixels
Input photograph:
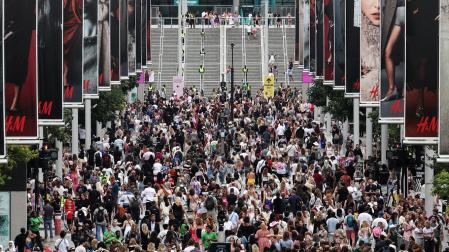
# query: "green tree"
{"type": "Point", "coordinates": [441, 185]}
{"type": "Point", "coordinates": [16, 154]}
{"type": "Point", "coordinates": [318, 93]}
{"type": "Point", "coordinates": [104, 108]}
{"type": "Point", "coordinates": [339, 106]}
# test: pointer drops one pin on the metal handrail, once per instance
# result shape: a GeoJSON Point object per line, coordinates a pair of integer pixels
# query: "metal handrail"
{"type": "Point", "coordinates": [285, 52]}
{"type": "Point", "coordinates": [172, 22]}
{"type": "Point", "coordinates": [161, 52]}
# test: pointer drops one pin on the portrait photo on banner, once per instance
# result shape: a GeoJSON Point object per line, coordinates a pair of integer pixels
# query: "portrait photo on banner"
{"type": "Point", "coordinates": [393, 61]}
{"type": "Point", "coordinates": [132, 37]}
{"type": "Point", "coordinates": [339, 44]}
{"type": "Point", "coordinates": [370, 52]}
{"type": "Point", "coordinates": [73, 52]}
{"type": "Point", "coordinates": [90, 49]}
{"type": "Point", "coordinates": [20, 48]}
{"type": "Point", "coordinates": [306, 44]}
{"type": "Point", "coordinates": [352, 67]}
{"type": "Point", "coordinates": [421, 108]}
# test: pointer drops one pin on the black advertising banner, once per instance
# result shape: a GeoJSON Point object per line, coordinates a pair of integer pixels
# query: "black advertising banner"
{"type": "Point", "coordinates": [123, 8]}
{"type": "Point", "coordinates": [90, 49]}
{"type": "Point", "coordinates": [2, 94]}
{"type": "Point", "coordinates": [352, 85]}
{"type": "Point", "coordinates": [73, 53]}
{"type": "Point", "coordinates": [50, 67]}
{"type": "Point", "coordinates": [339, 44]}
{"type": "Point", "coordinates": [370, 53]}
{"type": "Point", "coordinates": [421, 101]}
{"type": "Point", "coordinates": [20, 48]}
{"type": "Point", "coordinates": [393, 62]}
{"type": "Point", "coordinates": [306, 36]}
{"type": "Point", "coordinates": [312, 36]}
{"type": "Point", "coordinates": [138, 25]}
{"type": "Point", "coordinates": [143, 31]}
{"type": "Point", "coordinates": [319, 38]}
{"type": "Point", "coordinates": [132, 37]}
{"type": "Point", "coordinates": [104, 46]}
{"type": "Point", "coordinates": [115, 41]}
{"type": "Point", "coordinates": [328, 42]}
{"type": "Point", "coordinates": [299, 32]}
{"type": "Point", "coordinates": [149, 31]}
{"type": "Point", "coordinates": [443, 133]}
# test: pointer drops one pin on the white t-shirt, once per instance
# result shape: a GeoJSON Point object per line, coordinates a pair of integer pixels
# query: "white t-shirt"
{"type": "Point", "coordinates": [280, 130]}
{"type": "Point", "coordinates": [61, 245]}
{"type": "Point", "coordinates": [148, 194]}
{"type": "Point", "coordinates": [80, 248]}
{"type": "Point", "coordinates": [157, 167]}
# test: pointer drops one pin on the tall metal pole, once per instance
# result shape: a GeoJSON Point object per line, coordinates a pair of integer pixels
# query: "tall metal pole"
{"type": "Point", "coordinates": [369, 134]}
{"type": "Point", "coordinates": [75, 131]}
{"type": "Point", "coordinates": [356, 116]}
{"type": "Point", "coordinates": [232, 81]}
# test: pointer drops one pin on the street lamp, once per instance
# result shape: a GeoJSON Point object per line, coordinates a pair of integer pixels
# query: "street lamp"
{"type": "Point", "coordinates": [232, 81]}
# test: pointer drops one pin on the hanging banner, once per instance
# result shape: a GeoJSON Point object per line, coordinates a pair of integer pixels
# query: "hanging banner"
{"type": "Point", "coordinates": [319, 38]}
{"type": "Point", "coordinates": [123, 39]}
{"type": "Point", "coordinates": [114, 42]}
{"type": "Point", "coordinates": [149, 15]}
{"type": "Point", "coordinates": [421, 98]}
{"type": "Point", "coordinates": [143, 30]}
{"type": "Point", "coordinates": [306, 44]}
{"type": "Point", "coordinates": [138, 26]}
{"type": "Point", "coordinates": [352, 39]}
{"type": "Point", "coordinates": [73, 53]}
{"type": "Point", "coordinates": [90, 49]}
{"type": "Point", "coordinates": [178, 85]}
{"type": "Point", "coordinates": [132, 37]}
{"type": "Point", "coordinates": [50, 52]}
{"type": "Point", "coordinates": [268, 86]}
{"type": "Point", "coordinates": [2, 93]}
{"type": "Point", "coordinates": [393, 62]}
{"type": "Point", "coordinates": [443, 133]}
{"type": "Point", "coordinates": [328, 42]}
{"type": "Point", "coordinates": [104, 46]}
{"type": "Point", "coordinates": [312, 36]}
{"type": "Point", "coordinates": [299, 33]}
{"type": "Point", "coordinates": [339, 44]}
{"type": "Point", "coordinates": [370, 53]}
{"type": "Point", "coordinates": [20, 57]}
{"type": "Point", "coordinates": [5, 218]}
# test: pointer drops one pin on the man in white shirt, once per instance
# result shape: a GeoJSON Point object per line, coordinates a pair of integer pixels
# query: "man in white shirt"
{"type": "Point", "coordinates": [157, 167]}
{"type": "Point", "coordinates": [148, 194]}
{"type": "Point", "coordinates": [62, 244]}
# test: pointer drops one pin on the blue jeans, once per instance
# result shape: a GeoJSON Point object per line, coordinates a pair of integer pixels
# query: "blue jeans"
{"type": "Point", "coordinates": [48, 225]}
{"type": "Point", "coordinates": [99, 230]}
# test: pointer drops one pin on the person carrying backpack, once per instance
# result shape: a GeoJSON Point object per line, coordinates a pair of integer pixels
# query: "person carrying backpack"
{"type": "Point", "coordinates": [101, 219]}
{"type": "Point", "coordinates": [209, 204]}
{"type": "Point", "coordinates": [350, 224]}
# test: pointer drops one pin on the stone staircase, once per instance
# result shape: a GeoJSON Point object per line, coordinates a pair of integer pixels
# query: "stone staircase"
{"type": "Point", "coordinates": [211, 60]}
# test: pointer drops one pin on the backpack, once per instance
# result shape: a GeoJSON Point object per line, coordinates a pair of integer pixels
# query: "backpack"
{"type": "Point", "coordinates": [106, 161]}
{"type": "Point", "coordinates": [100, 215]}
{"type": "Point", "coordinates": [134, 203]}
{"type": "Point", "coordinates": [350, 221]}
{"type": "Point", "coordinates": [210, 203]}
{"type": "Point", "coordinates": [98, 160]}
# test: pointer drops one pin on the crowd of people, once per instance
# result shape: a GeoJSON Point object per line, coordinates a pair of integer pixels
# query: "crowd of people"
{"type": "Point", "coordinates": [191, 174]}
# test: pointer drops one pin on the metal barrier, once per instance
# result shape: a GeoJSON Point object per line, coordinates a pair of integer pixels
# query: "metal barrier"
{"type": "Point", "coordinates": [171, 22]}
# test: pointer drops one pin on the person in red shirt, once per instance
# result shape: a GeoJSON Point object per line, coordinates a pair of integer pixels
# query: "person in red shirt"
{"type": "Point", "coordinates": [318, 179]}
{"type": "Point", "coordinates": [69, 209]}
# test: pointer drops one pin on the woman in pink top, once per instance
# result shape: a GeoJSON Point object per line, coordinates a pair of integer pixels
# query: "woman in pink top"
{"type": "Point", "coordinates": [408, 227]}
{"type": "Point", "coordinates": [263, 237]}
